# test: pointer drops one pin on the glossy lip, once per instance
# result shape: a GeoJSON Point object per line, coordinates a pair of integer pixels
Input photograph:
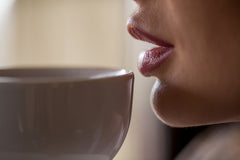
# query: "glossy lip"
{"type": "Point", "coordinates": [140, 34]}
{"type": "Point", "coordinates": [150, 59]}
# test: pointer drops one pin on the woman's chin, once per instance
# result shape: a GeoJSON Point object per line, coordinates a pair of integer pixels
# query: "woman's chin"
{"type": "Point", "coordinates": [178, 108]}
{"type": "Point", "coordinates": [163, 106]}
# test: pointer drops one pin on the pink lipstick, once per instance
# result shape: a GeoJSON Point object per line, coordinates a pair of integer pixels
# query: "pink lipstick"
{"type": "Point", "coordinates": [151, 59]}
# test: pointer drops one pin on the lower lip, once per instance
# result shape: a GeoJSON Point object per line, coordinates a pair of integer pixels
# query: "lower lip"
{"type": "Point", "coordinates": [152, 59]}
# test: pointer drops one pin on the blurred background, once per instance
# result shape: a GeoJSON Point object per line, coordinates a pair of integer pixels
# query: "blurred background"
{"type": "Point", "coordinates": [87, 33]}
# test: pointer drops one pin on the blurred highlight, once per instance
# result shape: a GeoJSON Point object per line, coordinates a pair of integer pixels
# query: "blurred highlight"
{"type": "Point", "coordinates": [5, 7]}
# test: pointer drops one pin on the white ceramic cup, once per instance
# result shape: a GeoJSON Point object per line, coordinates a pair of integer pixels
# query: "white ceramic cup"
{"type": "Point", "coordinates": [63, 113]}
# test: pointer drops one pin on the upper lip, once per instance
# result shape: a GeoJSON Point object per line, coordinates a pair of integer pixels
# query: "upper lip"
{"type": "Point", "coordinates": [138, 33]}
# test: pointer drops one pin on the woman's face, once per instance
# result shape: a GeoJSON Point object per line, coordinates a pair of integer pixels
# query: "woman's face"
{"type": "Point", "coordinates": [198, 78]}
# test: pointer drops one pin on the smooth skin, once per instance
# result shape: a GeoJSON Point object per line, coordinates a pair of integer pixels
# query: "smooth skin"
{"type": "Point", "coordinates": [199, 83]}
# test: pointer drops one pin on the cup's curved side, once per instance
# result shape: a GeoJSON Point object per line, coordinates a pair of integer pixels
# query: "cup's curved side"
{"type": "Point", "coordinates": [77, 118]}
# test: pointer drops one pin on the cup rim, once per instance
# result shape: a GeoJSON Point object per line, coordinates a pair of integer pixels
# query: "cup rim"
{"type": "Point", "coordinates": [16, 75]}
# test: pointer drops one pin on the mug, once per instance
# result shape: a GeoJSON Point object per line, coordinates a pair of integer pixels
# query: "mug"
{"type": "Point", "coordinates": [64, 113]}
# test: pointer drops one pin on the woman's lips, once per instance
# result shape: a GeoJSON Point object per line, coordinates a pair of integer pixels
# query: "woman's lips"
{"type": "Point", "coordinates": [151, 59]}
